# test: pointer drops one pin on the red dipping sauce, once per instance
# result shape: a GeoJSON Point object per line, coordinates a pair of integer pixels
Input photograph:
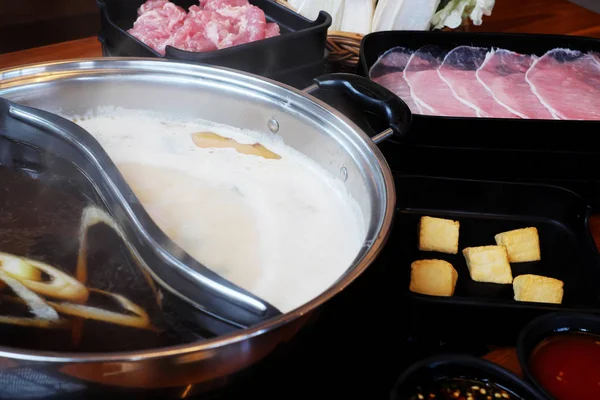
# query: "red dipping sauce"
{"type": "Point", "coordinates": [567, 365]}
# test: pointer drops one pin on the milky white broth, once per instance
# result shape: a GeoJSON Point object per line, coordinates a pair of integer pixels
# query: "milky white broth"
{"type": "Point", "coordinates": [283, 229]}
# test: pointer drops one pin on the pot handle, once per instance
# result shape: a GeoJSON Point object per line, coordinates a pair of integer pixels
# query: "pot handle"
{"type": "Point", "coordinates": [371, 97]}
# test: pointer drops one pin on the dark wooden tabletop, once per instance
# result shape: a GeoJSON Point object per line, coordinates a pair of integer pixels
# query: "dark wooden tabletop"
{"type": "Point", "coordinates": [541, 16]}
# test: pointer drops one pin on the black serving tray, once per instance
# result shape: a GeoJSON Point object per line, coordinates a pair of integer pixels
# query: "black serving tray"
{"type": "Point", "coordinates": [557, 152]}
{"type": "Point", "coordinates": [485, 311]}
{"type": "Point", "coordinates": [294, 57]}
{"type": "Point", "coordinates": [518, 134]}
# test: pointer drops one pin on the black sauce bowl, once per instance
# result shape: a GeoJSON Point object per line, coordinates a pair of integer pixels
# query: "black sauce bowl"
{"type": "Point", "coordinates": [460, 366]}
{"type": "Point", "coordinates": [545, 326]}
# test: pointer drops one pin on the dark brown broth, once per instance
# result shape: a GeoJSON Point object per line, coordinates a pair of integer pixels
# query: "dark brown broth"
{"type": "Point", "coordinates": [41, 221]}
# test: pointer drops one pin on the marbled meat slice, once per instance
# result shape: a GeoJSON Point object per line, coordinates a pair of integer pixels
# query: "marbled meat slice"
{"type": "Point", "coordinates": [157, 22]}
{"type": "Point", "coordinates": [249, 24]}
{"type": "Point", "coordinates": [503, 74]}
{"type": "Point", "coordinates": [219, 4]}
{"type": "Point", "coordinates": [151, 5]}
{"type": "Point", "coordinates": [459, 70]}
{"type": "Point", "coordinates": [388, 71]}
{"type": "Point", "coordinates": [567, 82]}
{"type": "Point", "coordinates": [192, 35]}
{"type": "Point", "coordinates": [272, 30]}
{"type": "Point", "coordinates": [394, 82]}
{"type": "Point", "coordinates": [429, 90]}
{"type": "Point", "coordinates": [392, 60]}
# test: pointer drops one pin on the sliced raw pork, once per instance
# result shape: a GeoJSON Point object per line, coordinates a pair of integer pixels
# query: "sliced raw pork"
{"type": "Point", "coordinates": [459, 70]}
{"type": "Point", "coordinates": [567, 82]}
{"type": "Point", "coordinates": [208, 26]}
{"type": "Point", "coordinates": [272, 30]}
{"type": "Point", "coordinates": [429, 90]}
{"type": "Point", "coordinates": [153, 5]}
{"type": "Point", "coordinates": [393, 60]}
{"type": "Point", "coordinates": [219, 4]}
{"type": "Point", "coordinates": [224, 23]}
{"type": "Point", "coordinates": [157, 22]}
{"type": "Point", "coordinates": [503, 75]}
{"type": "Point", "coordinates": [388, 71]}
{"type": "Point", "coordinates": [192, 35]}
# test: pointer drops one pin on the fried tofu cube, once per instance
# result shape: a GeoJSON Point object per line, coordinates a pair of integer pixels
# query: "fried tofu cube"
{"type": "Point", "coordinates": [522, 245]}
{"type": "Point", "coordinates": [539, 289]}
{"type": "Point", "coordinates": [488, 264]}
{"type": "Point", "coordinates": [438, 234]}
{"type": "Point", "coordinates": [433, 277]}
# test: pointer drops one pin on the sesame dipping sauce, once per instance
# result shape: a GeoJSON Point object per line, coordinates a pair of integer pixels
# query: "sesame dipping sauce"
{"type": "Point", "coordinates": [462, 389]}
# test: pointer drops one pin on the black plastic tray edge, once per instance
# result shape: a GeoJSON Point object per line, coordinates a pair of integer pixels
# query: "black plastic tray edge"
{"type": "Point", "coordinates": [321, 24]}
{"type": "Point", "coordinates": [78, 147]}
{"type": "Point", "coordinates": [299, 77]}
{"type": "Point", "coordinates": [363, 65]}
{"type": "Point", "coordinates": [481, 302]}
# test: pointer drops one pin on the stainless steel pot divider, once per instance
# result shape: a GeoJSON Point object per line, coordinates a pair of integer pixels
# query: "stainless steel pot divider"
{"type": "Point", "coordinates": [173, 269]}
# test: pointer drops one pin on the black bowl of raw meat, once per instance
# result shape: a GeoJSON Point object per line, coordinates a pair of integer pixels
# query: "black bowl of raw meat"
{"type": "Point", "coordinates": [198, 32]}
{"type": "Point", "coordinates": [458, 376]}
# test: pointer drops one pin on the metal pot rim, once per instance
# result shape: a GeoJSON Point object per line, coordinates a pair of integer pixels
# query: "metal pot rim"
{"type": "Point", "coordinates": [32, 73]}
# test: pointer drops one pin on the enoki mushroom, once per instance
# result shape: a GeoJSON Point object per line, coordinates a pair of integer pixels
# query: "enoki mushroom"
{"type": "Point", "coordinates": [25, 277]}
{"type": "Point", "coordinates": [35, 322]}
{"type": "Point", "coordinates": [46, 312]}
{"type": "Point", "coordinates": [139, 319]}
{"type": "Point", "coordinates": [36, 304]}
{"type": "Point", "coordinates": [20, 267]}
{"type": "Point", "coordinates": [29, 273]}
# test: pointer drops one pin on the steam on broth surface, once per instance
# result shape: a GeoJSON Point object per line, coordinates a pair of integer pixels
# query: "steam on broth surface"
{"type": "Point", "coordinates": [245, 205]}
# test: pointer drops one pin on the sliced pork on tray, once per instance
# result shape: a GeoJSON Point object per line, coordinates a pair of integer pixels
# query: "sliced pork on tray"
{"type": "Point", "coordinates": [208, 26]}
{"type": "Point", "coordinates": [459, 70]}
{"type": "Point", "coordinates": [396, 62]}
{"type": "Point", "coordinates": [568, 83]}
{"type": "Point", "coordinates": [503, 75]}
{"type": "Point", "coordinates": [427, 86]}
{"type": "Point", "coordinates": [494, 83]}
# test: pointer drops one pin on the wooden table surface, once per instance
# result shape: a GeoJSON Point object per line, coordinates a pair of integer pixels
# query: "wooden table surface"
{"type": "Point", "coordinates": [526, 16]}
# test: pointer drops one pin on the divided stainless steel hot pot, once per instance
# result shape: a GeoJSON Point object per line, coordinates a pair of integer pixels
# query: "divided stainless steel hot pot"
{"type": "Point", "coordinates": [228, 97]}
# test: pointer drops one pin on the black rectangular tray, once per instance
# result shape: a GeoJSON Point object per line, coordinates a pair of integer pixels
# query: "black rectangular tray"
{"type": "Point", "coordinates": [298, 77]}
{"type": "Point", "coordinates": [301, 43]}
{"type": "Point", "coordinates": [491, 133]}
{"type": "Point", "coordinates": [555, 152]}
{"type": "Point", "coordinates": [485, 311]}
{"type": "Point", "coordinates": [575, 171]}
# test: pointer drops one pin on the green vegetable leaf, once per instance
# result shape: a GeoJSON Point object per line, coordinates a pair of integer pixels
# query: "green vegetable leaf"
{"type": "Point", "coordinates": [452, 13]}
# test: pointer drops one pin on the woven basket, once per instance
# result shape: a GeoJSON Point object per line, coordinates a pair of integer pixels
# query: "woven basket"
{"type": "Point", "coordinates": [344, 47]}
